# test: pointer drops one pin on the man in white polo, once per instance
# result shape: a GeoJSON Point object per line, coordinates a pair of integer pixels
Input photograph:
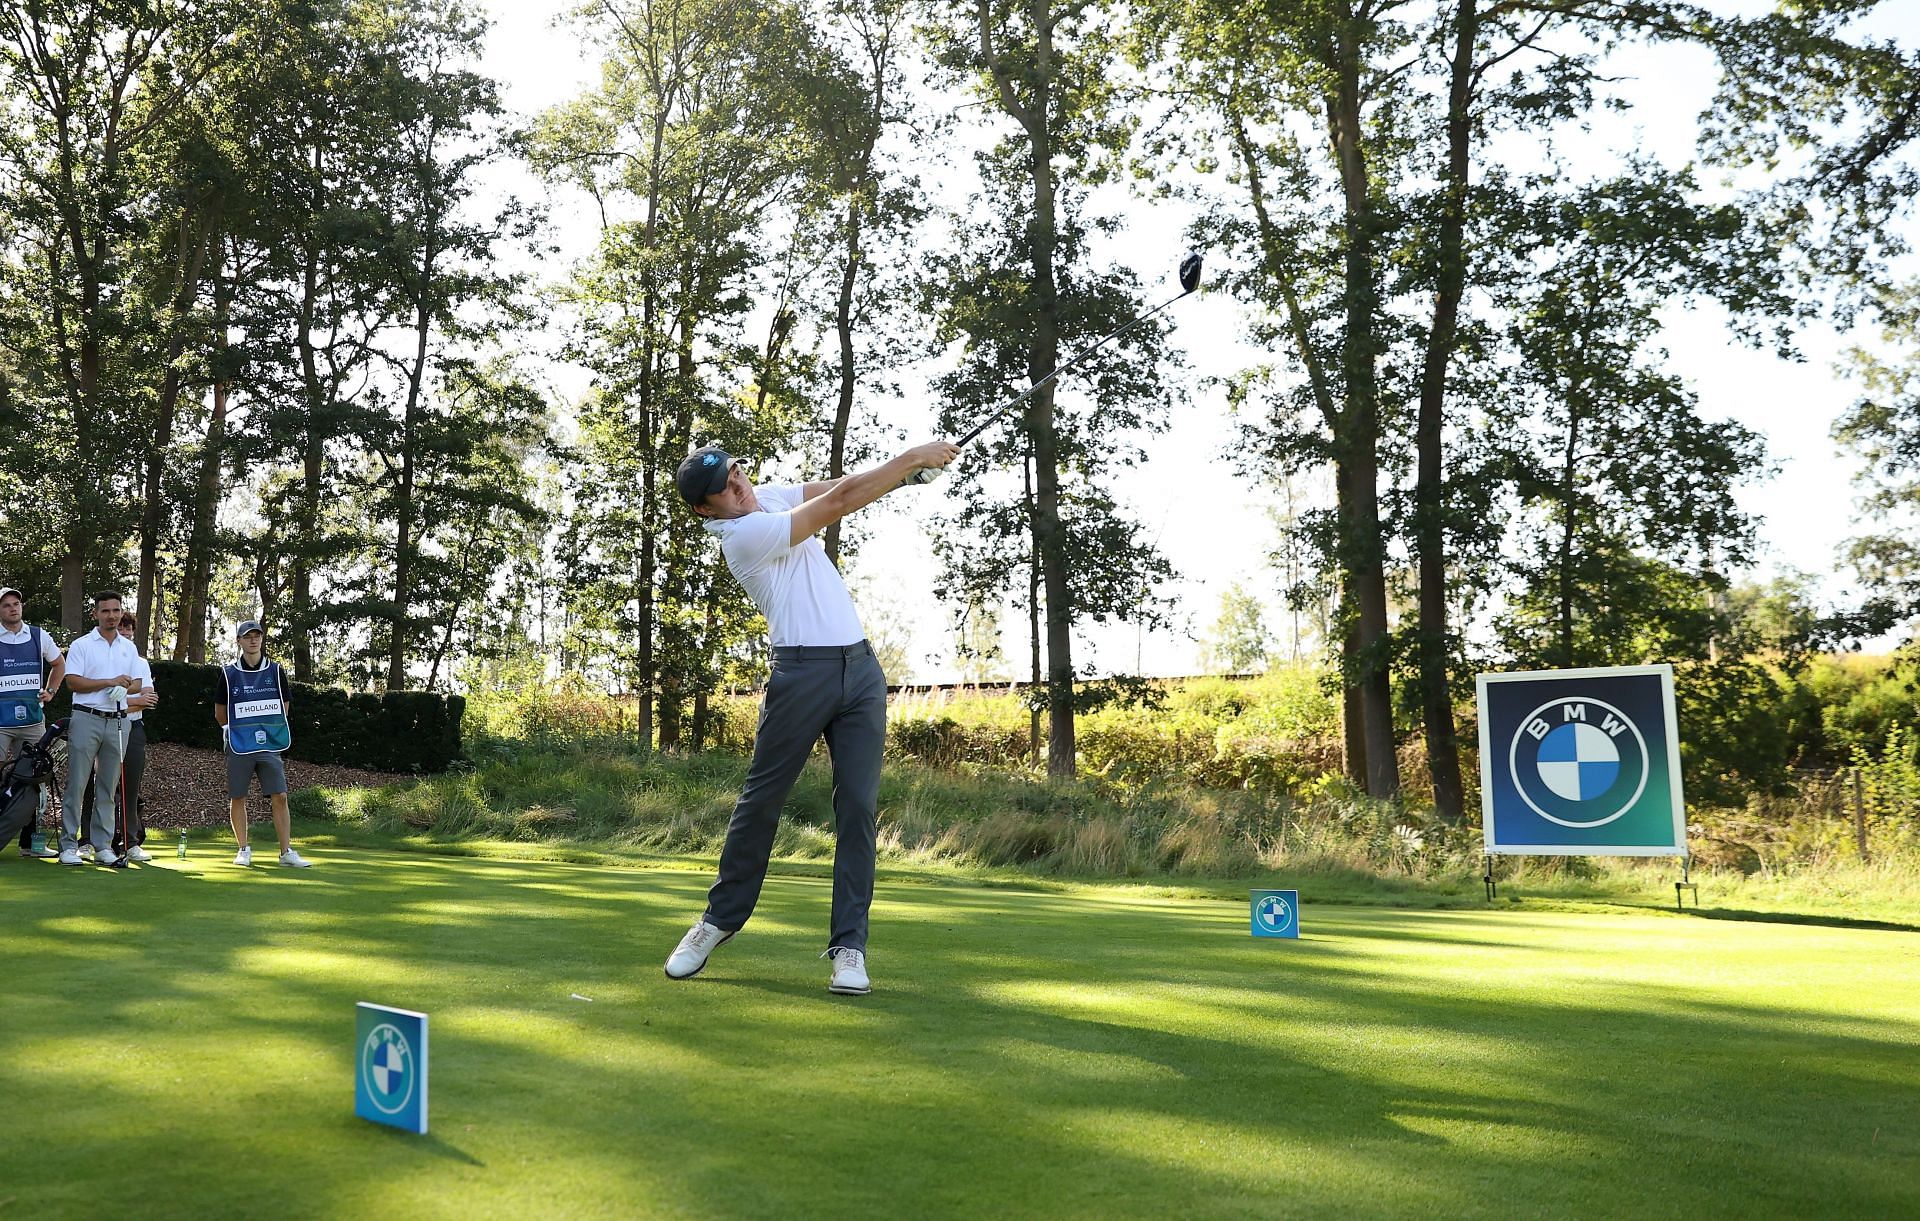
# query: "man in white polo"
{"type": "Point", "coordinates": [826, 683]}
{"type": "Point", "coordinates": [100, 668]}
{"type": "Point", "coordinates": [31, 670]}
{"type": "Point", "coordinates": [131, 830]}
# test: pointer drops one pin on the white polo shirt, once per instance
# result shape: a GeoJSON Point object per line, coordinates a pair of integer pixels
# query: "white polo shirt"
{"type": "Point", "coordinates": [49, 651]}
{"type": "Point", "coordinates": [92, 656]}
{"type": "Point", "coordinates": [142, 676]}
{"type": "Point", "coordinates": [796, 587]}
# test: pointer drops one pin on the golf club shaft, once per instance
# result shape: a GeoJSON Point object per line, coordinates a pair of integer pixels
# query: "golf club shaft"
{"type": "Point", "coordinates": [1030, 391]}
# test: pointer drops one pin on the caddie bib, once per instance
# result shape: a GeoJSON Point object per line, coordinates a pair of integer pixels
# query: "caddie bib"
{"type": "Point", "coordinates": [256, 717]}
{"type": "Point", "coordinates": [20, 678]}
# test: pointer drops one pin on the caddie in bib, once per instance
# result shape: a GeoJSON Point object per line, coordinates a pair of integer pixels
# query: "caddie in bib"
{"type": "Point", "coordinates": [31, 670]}
{"type": "Point", "coordinates": [255, 714]}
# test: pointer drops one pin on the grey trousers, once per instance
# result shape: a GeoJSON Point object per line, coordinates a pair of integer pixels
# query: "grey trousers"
{"type": "Point", "coordinates": [134, 768]}
{"type": "Point", "coordinates": [839, 694]}
{"type": "Point", "coordinates": [92, 742]}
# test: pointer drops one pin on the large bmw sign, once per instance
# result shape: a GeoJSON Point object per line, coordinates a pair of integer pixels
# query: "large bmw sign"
{"type": "Point", "coordinates": [1581, 762]}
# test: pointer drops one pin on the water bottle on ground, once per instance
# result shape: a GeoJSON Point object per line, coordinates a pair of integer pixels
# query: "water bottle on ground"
{"type": "Point", "coordinates": [183, 843]}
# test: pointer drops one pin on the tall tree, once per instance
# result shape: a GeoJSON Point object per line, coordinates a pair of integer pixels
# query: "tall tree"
{"type": "Point", "coordinates": [688, 144]}
{"type": "Point", "coordinates": [1023, 292]}
{"type": "Point", "coordinates": [91, 84]}
{"type": "Point", "coordinates": [855, 94]}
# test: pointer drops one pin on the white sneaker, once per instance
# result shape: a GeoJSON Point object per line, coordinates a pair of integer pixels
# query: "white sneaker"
{"type": "Point", "coordinates": [41, 852]}
{"type": "Point", "coordinates": [849, 971]}
{"type": "Point", "coordinates": [690, 955]}
{"type": "Point", "coordinates": [69, 856]}
{"type": "Point", "coordinates": [107, 857]}
{"type": "Point", "coordinates": [293, 860]}
{"type": "Point", "coordinates": [86, 852]}
{"type": "Point", "coordinates": [244, 856]}
{"type": "Point", "coordinates": [139, 855]}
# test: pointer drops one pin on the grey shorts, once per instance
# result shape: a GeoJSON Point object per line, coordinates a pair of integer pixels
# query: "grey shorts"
{"type": "Point", "coordinates": [241, 768]}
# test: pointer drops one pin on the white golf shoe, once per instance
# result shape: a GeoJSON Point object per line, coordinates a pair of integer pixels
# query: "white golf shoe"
{"type": "Point", "coordinates": [139, 855]}
{"type": "Point", "coordinates": [106, 856]}
{"type": "Point", "coordinates": [690, 956]}
{"type": "Point", "coordinates": [69, 856]}
{"type": "Point", "coordinates": [293, 860]}
{"type": "Point", "coordinates": [244, 856]}
{"type": "Point", "coordinates": [849, 976]}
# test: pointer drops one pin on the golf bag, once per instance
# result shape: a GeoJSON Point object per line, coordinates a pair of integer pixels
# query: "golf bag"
{"type": "Point", "coordinates": [21, 780]}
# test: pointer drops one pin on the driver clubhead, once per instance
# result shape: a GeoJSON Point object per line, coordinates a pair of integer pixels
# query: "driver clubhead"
{"type": "Point", "coordinates": [1190, 271]}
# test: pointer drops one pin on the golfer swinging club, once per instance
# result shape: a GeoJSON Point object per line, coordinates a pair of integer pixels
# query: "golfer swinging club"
{"type": "Point", "coordinates": [825, 682]}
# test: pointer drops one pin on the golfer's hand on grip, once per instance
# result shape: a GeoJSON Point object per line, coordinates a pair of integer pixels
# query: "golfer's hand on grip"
{"type": "Point", "coordinates": [929, 459]}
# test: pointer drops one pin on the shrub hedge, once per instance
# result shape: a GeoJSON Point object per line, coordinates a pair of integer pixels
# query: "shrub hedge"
{"type": "Point", "coordinates": [401, 731]}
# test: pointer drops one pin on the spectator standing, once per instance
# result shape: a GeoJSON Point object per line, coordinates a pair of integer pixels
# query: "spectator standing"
{"type": "Point", "coordinates": [254, 714]}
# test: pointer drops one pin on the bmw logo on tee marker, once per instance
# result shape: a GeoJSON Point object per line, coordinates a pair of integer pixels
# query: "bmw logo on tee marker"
{"type": "Point", "coordinates": [1578, 761]}
{"type": "Point", "coordinates": [387, 1062]}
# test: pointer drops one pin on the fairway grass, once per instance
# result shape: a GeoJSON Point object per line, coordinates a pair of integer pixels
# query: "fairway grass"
{"type": "Point", "coordinates": [180, 1045]}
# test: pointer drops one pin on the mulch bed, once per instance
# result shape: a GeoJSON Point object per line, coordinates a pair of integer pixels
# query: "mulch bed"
{"type": "Point", "coordinates": [187, 787]}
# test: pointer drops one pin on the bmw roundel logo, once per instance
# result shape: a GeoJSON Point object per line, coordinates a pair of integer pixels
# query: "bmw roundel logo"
{"type": "Point", "coordinates": [1578, 761]}
{"type": "Point", "coordinates": [1273, 912]}
{"type": "Point", "coordinates": [387, 1066]}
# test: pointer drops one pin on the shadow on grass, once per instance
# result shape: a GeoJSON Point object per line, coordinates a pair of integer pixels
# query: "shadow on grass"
{"type": "Point", "coordinates": [1026, 1054]}
{"type": "Point", "coordinates": [1812, 918]}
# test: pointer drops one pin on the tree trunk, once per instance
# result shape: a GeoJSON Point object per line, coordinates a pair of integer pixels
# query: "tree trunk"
{"type": "Point", "coordinates": [649, 451]}
{"type": "Point", "coordinates": [1359, 445]}
{"type": "Point", "coordinates": [191, 644]}
{"type": "Point", "coordinates": [1430, 525]}
{"type": "Point", "coordinates": [313, 467]}
{"type": "Point", "coordinates": [191, 248]}
{"type": "Point", "coordinates": [1353, 718]}
{"type": "Point", "coordinates": [1033, 623]}
{"type": "Point", "coordinates": [843, 325]}
{"type": "Point", "coordinates": [1568, 530]}
{"type": "Point", "coordinates": [404, 544]}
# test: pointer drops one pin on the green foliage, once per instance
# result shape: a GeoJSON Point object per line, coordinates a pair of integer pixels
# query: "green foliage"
{"type": "Point", "coordinates": [1021, 292]}
{"type": "Point", "coordinates": [1238, 642]}
{"type": "Point", "coordinates": [1890, 781]}
{"type": "Point", "coordinates": [398, 731]}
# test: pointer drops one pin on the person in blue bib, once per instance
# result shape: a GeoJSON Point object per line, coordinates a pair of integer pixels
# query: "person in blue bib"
{"type": "Point", "coordinates": [31, 670]}
{"type": "Point", "coordinates": [254, 714]}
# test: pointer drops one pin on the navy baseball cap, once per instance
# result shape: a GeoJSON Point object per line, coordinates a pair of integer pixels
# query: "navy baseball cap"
{"type": "Point", "coordinates": [245, 626]}
{"type": "Point", "coordinates": [704, 472]}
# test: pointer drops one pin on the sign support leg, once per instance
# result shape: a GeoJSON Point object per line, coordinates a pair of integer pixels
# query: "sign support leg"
{"type": "Point", "coordinates": [1686, 882]}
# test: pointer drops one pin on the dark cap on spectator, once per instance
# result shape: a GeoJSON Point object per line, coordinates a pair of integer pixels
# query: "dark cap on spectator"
{"type": "Point", "coordinates": [703, 472]}
{"type": "Point", "coordinates": [248, 625]}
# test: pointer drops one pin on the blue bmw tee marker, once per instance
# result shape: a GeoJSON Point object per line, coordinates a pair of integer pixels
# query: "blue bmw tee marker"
{"type": "Point", "coordinates": [1276, 913]}
{"type": "Point", "coordinates": [390, 1066]}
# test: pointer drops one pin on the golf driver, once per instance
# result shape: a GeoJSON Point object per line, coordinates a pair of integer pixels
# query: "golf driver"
{"type": "Point", "coordinates": [1189, 281]}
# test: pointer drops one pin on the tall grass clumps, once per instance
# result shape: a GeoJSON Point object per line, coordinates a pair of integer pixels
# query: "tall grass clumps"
{"type": "Point", "coordinates": [1276, 730]}
{"type": "Point", "coordinates": [976, 820]}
